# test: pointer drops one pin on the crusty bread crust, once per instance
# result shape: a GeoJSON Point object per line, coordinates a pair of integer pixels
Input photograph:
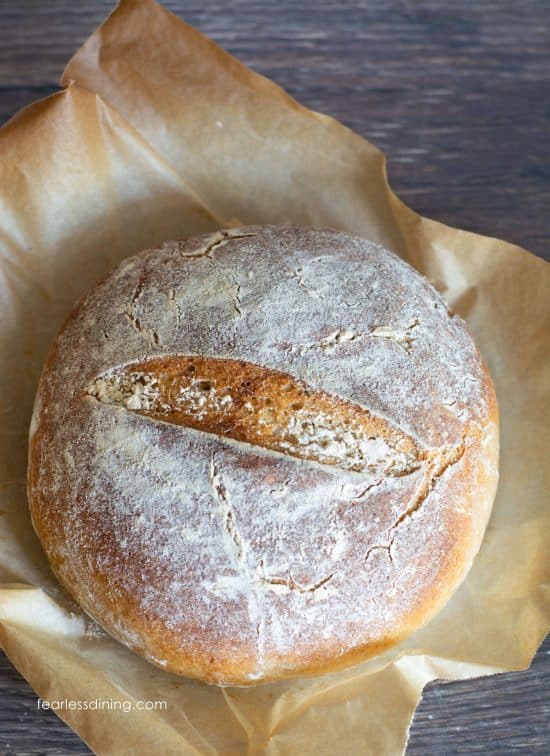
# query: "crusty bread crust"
{"type": "Point", "coordinates": [262, 453]}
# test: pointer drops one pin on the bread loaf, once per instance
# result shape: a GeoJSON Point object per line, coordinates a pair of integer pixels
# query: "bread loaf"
{"type": "Point", "coordinates": [262, 453]}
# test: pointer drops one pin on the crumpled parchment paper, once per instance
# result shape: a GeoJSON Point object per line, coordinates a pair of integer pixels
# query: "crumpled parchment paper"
{"type": "Point", "coordinates": [160, 134]}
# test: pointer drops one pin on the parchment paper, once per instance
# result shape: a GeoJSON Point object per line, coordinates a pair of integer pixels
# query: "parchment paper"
{"type": "Point", "coordinates": [164, 135]}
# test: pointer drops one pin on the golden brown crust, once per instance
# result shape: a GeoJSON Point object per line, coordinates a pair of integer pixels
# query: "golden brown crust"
{"type": "Point", "coordinates": [255, 405]}
{"type": "Point", "coordinates": [146, 503]}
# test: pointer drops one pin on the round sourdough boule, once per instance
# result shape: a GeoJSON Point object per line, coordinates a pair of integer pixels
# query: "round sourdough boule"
{"type": "Point", "coordinates": [262, 453]}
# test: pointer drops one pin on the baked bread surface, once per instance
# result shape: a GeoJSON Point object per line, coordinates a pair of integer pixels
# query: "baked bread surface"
{"type": "Point", "coordinates": [264, 452]}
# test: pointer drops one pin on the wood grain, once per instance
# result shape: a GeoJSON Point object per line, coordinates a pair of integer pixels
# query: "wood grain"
{"type": "Point", "coordinates": [458, 96]}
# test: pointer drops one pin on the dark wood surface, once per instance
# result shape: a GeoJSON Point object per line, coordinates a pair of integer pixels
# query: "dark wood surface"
{"type": "Point", "coordinates": [458, 96]}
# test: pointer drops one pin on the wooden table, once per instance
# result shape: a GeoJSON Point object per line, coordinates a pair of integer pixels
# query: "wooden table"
{"type": "Point", "coordinates": [458, 96]}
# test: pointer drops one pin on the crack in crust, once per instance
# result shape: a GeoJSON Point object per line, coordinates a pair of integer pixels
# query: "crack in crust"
{"type": "Point", "coordinates": [403, 338]}
{"type": "Point", "coordinates": [229, 523]}
{"type": "Point", "coordinates": [237, 304]}
{"type": "Point", "coordinates": [293, 585]}
{"type": "Point", "coordinates": [297, 274]}
{"type": "Point", "coordinates": [217, 239]}
{"type": "Point", "coordinates": [439, 462]}
{"type": "Point", "coordinates": [148, 334]}
{"type": "Point", "coordinates": [238, 547]}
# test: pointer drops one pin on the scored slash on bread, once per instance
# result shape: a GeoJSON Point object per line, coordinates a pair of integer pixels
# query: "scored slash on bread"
{"type": "Point", "coordinates": [267, 408]}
